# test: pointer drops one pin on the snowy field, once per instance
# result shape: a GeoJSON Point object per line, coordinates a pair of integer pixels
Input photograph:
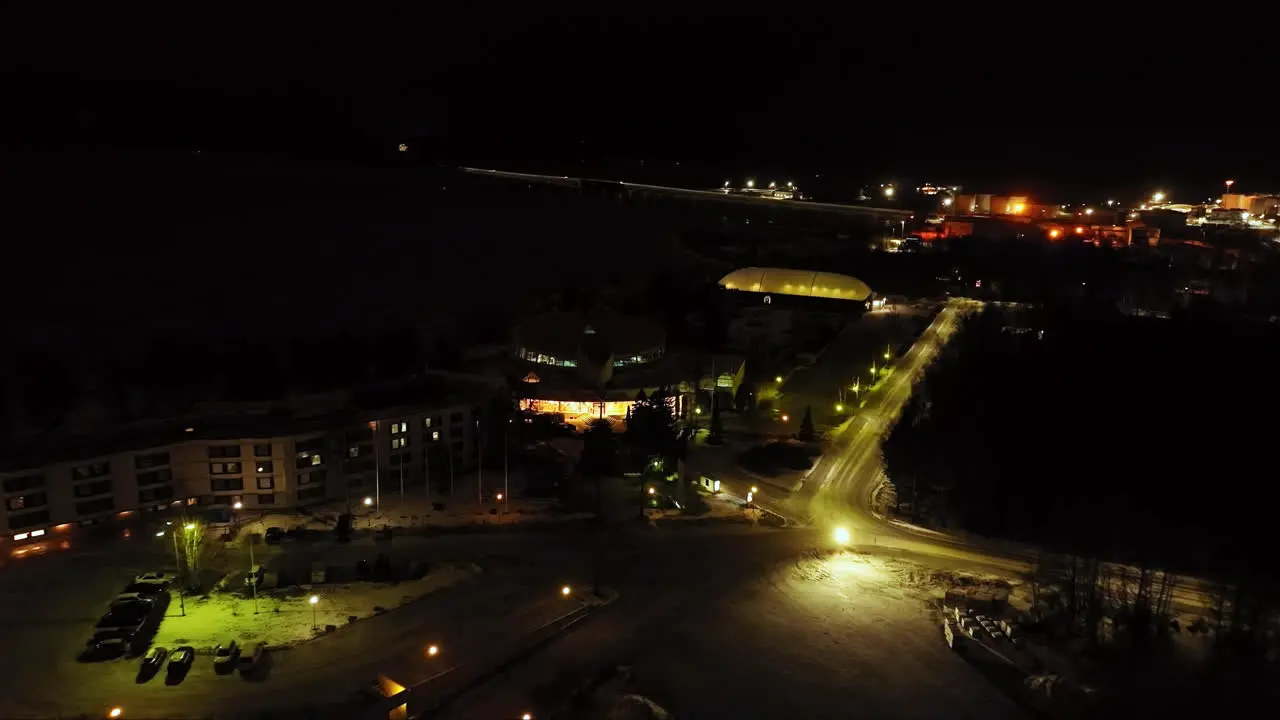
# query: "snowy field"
{"type": "Point", "coordinates": [815, 636]}
{"type": "Point", "coordinates": [828, 637]}
{"type": "Point", "coordinates": [285, 618]}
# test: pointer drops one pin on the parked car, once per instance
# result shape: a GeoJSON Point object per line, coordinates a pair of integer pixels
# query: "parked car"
{"type": "Point", "coordinates": [158, 577]}
{"type": "Point", "coordinates": [151, 663]}
{"type": "Point", "coordinates": [224, 657]}
{"type": "Point", "coordinates": [108, 646]}
{"type": "Point", "coordinates": [256, 573]}
{"type": "Point", "coordinates": [149, 588]}
{"type": "Point", "coordinates": [274, 535]}
{"type": "Point", "coordinates": [252, 655]}
{"type": "Point", "coordinates": [123, 620]}
{"type": "Point", "coordinates": [128, 600]}
{"type": "Point", "coordinates": [180, 661]}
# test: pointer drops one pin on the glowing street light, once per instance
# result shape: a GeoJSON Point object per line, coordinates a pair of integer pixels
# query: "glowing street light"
{"type": "Point", "coordinates": [839, 407]}
{"type": "Point", "coordinates": [368, 501]}
{"type": "Point", "coordinates": [786, 418]}
{"type": "Point", "coordinates": [237, 505]}
{"type": "Point", "coordinates": [526, 716]}
{"type": "Point", "coordinates": [777, 379]}
{"type": "Point", "coordinates": [751, 183]}
{"type": "Point", "coordinates": [433, 650]}
{"type": "Point", "coordinates": [565, 591]}
{"type": "Point", "coordinates": [314, 599]}
{"type": "Point", "coordinates": [888, 191]}
{"type": "Point", "coordinates": [946, 202]}
{"type": "Point", "coordinates": [653, 490]}
{"type": "Point", "coordinates": [1229, 183]}
{"type": "Point", "coordinates": [115, 712]}
{"type": "Point", "coordinates": [842, 536]}
{"type": "Point", "coordinates": [1158, 197]}
{"type": "Point", "coordinates": [1088, 211]}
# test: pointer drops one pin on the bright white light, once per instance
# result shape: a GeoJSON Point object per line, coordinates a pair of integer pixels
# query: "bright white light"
{"type": "Point", "coordinates": [946, 202]}
{"type": "Point", "coordinates": [1158, 197]}
{"type": "Point", "coordinates": [842, 536]}
{"type": "Point", "coordinates": [888, 191]}
{"type": "Point", "coordinates": [314, 599]}
{"type": "Point", "coordinates": [751, 183]}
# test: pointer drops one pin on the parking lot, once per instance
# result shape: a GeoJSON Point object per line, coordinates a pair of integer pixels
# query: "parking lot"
{"type": "Point", "coordinates": [51, 603]}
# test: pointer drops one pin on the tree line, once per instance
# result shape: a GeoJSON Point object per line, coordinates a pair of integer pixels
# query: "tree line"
{"type": "Point", "coordinates": [1131, 451]}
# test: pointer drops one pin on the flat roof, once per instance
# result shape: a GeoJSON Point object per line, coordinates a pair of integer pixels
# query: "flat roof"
{"type": "Point", "coordinates": [563, 333]}
{"type": "Point", "coordinates": [234, 421]}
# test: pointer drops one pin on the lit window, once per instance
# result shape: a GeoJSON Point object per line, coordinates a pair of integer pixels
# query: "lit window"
{"type": "Point", "coordinates": [435, 435]}
{"type": "Point", "coordinates": [397, 443]}
{"type": "Point", "coordinates": [398, 428]}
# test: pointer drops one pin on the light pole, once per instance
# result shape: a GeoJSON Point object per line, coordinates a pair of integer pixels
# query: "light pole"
{"type": "Point", "coordinates": [313, 600]}
{"type": "Point", "coordinates": [182, 595]}
{"type": "Point", "coordinates": [480, 466]}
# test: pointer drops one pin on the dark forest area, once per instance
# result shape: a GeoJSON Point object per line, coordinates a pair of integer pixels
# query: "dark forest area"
{"type": "Point", "coordinates": [1132, 458]}
{"type": "Point", "coordinates": [1086, 430]}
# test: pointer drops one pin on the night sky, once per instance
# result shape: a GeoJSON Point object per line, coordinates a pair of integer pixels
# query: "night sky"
{"type": "Point", "coordinates": [1094, 105]}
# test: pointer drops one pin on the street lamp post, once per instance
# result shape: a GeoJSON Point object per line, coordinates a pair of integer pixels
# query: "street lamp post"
{"type": "Point", "coordinates": [313, 600]}
{"type": "Point", "coordinates": [182, 594]}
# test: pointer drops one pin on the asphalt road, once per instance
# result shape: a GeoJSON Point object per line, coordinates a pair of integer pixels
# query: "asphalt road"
{"type": "Point", "coordinates": [838, 493]}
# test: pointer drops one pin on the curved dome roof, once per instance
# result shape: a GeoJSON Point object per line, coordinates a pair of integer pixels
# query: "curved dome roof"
{"type": "Point", "coordinates": [780, 281]}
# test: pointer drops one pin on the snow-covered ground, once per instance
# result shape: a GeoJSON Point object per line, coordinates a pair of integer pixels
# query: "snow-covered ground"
{"type": "Point", "coordinates": [285, 617]}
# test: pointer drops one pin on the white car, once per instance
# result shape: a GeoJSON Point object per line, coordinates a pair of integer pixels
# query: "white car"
{"type": "Point", "coordinates": [158, 577]}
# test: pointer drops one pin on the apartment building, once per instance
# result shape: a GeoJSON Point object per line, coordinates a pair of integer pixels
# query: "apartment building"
{"type": "Point", "coordinates": [251, 457]}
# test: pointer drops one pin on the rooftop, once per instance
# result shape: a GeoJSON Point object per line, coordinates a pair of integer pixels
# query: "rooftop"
{"type": "Point", "coordinates": [253, 420]}
{"type": "Point", "coordinates": [565, 333]}
{"type": "Point", "coordinates": [808, 283]}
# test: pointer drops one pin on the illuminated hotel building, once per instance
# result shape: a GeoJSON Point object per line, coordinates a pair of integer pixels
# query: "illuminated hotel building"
{"type": "Point", "coordinates": [588, 366]}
